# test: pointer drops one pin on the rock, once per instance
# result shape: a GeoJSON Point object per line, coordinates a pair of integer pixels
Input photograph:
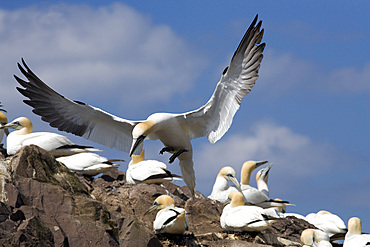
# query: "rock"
{"type": "Point", "coordinates": [44, 204]}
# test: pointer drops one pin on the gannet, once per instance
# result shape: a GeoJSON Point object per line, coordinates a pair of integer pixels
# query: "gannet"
{"type": "Point", "coordinates": [354, 236]}
{"type": "Point", "coordinates": [262, 177]}
{"type": "Point", "coordinates": [89, 164]}
{"type": "Point", "coordinates": [221, 189]}
{"type": "Point", "coordinates": [3, 121]}
{"type": "Point", "coordinates": [239, 217]}
{"type": "Point", "coordinates": [56, 144]}
{"type": "Point", "coordinates": [328, 222]}
{"type": "Point", "coordinates": [253, 195]}
{"type": "Point", "coordinates": [175, 131]}
{"type": "Point", "coordinates": [147, 171]}
{"type": "Point", "coordinates": [169, 219]}
{"type": "Point", "coordinates": [282, 211]}
{"type": "Point", "coordinates": [315, 238]}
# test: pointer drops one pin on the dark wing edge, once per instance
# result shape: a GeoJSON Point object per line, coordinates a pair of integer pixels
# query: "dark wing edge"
{"type": "Point", "coordinates": [73, 116]}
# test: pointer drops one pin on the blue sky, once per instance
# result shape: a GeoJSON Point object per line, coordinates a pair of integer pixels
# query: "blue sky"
{"type": "Point", "coordinates": [308, 113]}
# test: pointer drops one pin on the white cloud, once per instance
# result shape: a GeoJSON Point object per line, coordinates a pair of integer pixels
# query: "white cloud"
{"type": "Point", "coordinates": [295, 156]}
{"type": "Point", "coordinates": [284, 74]}
{"type": "Point", "coordinates": [107, 52]}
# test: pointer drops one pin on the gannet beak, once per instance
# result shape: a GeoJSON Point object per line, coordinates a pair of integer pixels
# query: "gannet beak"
{"type": "Point", "coordinates": [152, 208]}
{"type": "Point", "coordinates": [266, 171]}
{"type": "Point", "coordinates": [260, 163]}
{"type": "Point", "coordinates": [234, 181]}
{"type": "Point", "coordinates": [138, 141]}
{"type": "Point", "coordinates": [9, 125]}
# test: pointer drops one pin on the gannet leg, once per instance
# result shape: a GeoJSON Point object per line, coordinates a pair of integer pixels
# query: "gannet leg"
{"type": "Point", "coordinates": [175, 155]}
{"type": "Point", "coordinates": [166, 149]}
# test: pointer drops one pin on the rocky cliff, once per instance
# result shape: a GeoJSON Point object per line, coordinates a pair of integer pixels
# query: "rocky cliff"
{"type": "Point", "coordinates": [44, 204]}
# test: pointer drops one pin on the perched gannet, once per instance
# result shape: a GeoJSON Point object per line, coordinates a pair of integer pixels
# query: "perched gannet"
{"type": "Point", "coordinates": [239, 217]}
{"type": "Point", "coordinates": [328, 222]}
{"type": "Point", "coordinates": [253, 195]}
{"type": "Point", "coordinates": [56, 144]}
{"type": "Point", "coordinates": [262, 177]}
{"type": "Point", "coordinates": [89, 164]}
{"type": "Point", "coordinates": [169, 219]}
{"type": "Point", "coordinates": [175, 131]}
{"type": "Point", "coordinates": [282, 211]}
{"type": "Point", "coordinates": [315, 238]}
{"type": "Point", "coordinates": [354, 236]}
{"type": "Point", "coordinates": [221, 189]}
{"type": "Point", "coordinates": [3, 121]}
{"type": "Point", "coordinates": [147, 171]}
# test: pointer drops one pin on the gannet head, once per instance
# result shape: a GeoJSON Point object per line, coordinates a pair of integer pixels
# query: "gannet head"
{"type": "Point", "coordinates": [354, 226]}
{"type": "Point", "coordinates": [160, 203]}
{"type": "Point", "coordinates": [281, 208]}
{"type": "Point", "coordinates": [236, 198]}
{"type": "Point", "coordinates": [263, 174]}
{"type": "Point", "coordinates": [139, 133]}
{"type": "Point", "coordinates": [3, 121]}
{"type": "Point", "coordinates": [247, 169]}
{"type": "Point", "coordinates": [20, 123]}
{"type": "Point", "coordinates": [307, 237]}
{"type": "Point", "coordinates": [228, 173]}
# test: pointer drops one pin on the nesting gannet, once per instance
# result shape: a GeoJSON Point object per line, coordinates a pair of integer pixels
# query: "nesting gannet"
{"type": "Point", "coordinates": [328, 222]}
{"type": "Point", "coordinates": [315, 238]}
{"type": "Point", "coordinates": [56, 144]}
{"type": "Point", "coordinates": [262, 177]}
{"type": "Point", "coordinates": [253, 195]}
{"type": "Point", "coordinates": [169, 219]}
{"type": "Point", "coordinates": [354, 236]}
{"type": "Point", "coordinates": [3, 121]}
{"type": "Point", "coordinates": [239, 217]}
{"type": "Point", "coordinates": [221, 189]}
{"type": "Point", "coordinates": [147, 171]}
{"type": "Point", "coordinates": [89, 164]}
{"type": "Point", "coordinates": [175, 131]}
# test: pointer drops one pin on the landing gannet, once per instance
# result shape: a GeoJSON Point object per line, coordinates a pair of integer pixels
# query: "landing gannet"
{"type": "Point", "coordinates": [89, 164]}
{"type": "Point", "coordinates": [262, 177]}
{"type": "Point", "coordinates": [148, 171]}
{"type": "Point", "coordinates": [175, 131]}
{"type": "Point", "coordinates": [315, 238]}
{"type": "Point", "coordinates": [328, 222]}
{"type": "Point", "coordinates": [221, 189]}
{"type": "Point", "coordinates": [354, 236]}
{"type": "Point", "coordinates": [239, 217]}
{"type": "Point", "coordinates": [57, 145]}
{"type": "Point", "coordinates": [253, 195]}
{"type": "Point", "coordinates": [169, 219]}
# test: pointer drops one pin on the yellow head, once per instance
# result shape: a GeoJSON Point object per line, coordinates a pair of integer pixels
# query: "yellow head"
{"type": "Point", "coordinates": [247, 169]}
{"type": "Point", "coordinates": [139, 133]}
{"type": "Point", "coordinates": [237, 199]}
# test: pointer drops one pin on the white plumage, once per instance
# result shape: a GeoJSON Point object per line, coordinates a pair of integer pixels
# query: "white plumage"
{"type": "Point", "coordinates": [327, 222]}
{"type": "Point", "coordinates": [221, 189]}
{"type": "Point", "coordinates": [148, 171]}
{"type": "Point", "coordinates": [315, 238]}
{"type": "Point", "coordinates": [56, 144]}
{"type": "Point", "coordinates": [89, 164]}
{"type": "Point", "coordinates": [175, 131]}
{"type": "Point", "coordinates": [354, 237]}
{"type": "Point", "coordinates": [169, 219]}
{"type": "Point", "coordinates": [239, 217]}
{"type": "Point", "coordinates": [253, 195]}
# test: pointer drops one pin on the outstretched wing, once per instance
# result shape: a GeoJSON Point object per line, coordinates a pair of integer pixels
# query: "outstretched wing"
{"type": "Point", "coordinates": [73, 116]}
{"type": "Point", "coordinates": [215, 117]}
